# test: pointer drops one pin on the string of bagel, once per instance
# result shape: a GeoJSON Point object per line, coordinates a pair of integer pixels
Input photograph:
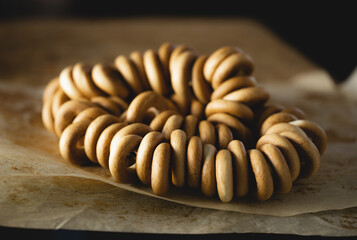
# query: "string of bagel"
{"type": "Point", "coordinates": [171, 117]}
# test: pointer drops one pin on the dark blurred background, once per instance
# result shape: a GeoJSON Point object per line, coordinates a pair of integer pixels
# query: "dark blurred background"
{"type": "Point", "coordinates": [324, 32]}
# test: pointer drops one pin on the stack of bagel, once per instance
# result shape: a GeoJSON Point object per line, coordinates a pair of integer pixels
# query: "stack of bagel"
{"type": "Point", "coordinates": [175, 118]}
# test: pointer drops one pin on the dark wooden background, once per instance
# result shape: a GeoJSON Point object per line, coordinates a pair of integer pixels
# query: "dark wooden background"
{"type": "Point", "coordinates": [323, 31]}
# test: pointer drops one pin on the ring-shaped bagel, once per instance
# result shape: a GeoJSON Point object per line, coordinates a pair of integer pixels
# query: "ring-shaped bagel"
{"type": "Point", "coordinates": [262, 175]}
{"type": "Point", "coordinates": [208, 179]}
{"type": "Point", "coordinates": [315, 133]}
{"type": "Point", "coordinates": [145, 153]}
{"type": "Point", "coordinates": [108, 79]}
{"type": "Point", "coordinates": [240, 167]}
{"type": "Point", "coordinates": [103, 144]}
{"type": "Point", "coordinates": [160, 180]}
{"type": "Point", "coordinates": [287, 149]}
{"type": "Point", "coordinates": [68, 144]}
{"type": "Point", "coordinates": [154, 73]}
{"type": "Point", "coordinates": [308, 153]}
{"type": "Point", "coordinates": [141, 104]}
{"type": "Point", "coordinates": [178, 142]}
{"type": "Point", "coordinates": [120, 160]}
{"type": "Point", "coordinates": [224, 175]}
{"type": "Point", "coordinates": [95, 129]}
{"type": "Point", "coordinates": [127, 69]}
{"type": "Point", "coordinates": [194, 162]}
{"type": "Point", "coordinates": [280, 168]}
{"type": "Point", "coordinates": [234, 108]}
{"type": "Point", "coordinates": [207, 132]}
{"type": "Point", "coordinates": [82, 76]}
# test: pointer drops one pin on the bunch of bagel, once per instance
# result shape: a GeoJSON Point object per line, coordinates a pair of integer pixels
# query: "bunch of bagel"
{"type": "Point", "coordinates": [175, 118]}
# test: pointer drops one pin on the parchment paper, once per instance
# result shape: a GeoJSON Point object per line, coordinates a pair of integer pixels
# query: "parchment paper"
{"type": "Point", "coordinates": [54, 202]}
{"type": "Point", "coordinates": [36, 183]}
{"type": "Point", "coordinates": [27, 147]}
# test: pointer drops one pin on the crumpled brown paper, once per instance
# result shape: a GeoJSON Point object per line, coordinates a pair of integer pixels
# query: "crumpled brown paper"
{"type": "Point", "coordinates": [39, 189]}
{"type": "Point", "coordinates": [28, 151]}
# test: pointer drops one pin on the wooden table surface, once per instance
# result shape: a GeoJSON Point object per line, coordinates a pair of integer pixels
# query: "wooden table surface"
{"type": "Point", "coordinates": [37, 50]}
